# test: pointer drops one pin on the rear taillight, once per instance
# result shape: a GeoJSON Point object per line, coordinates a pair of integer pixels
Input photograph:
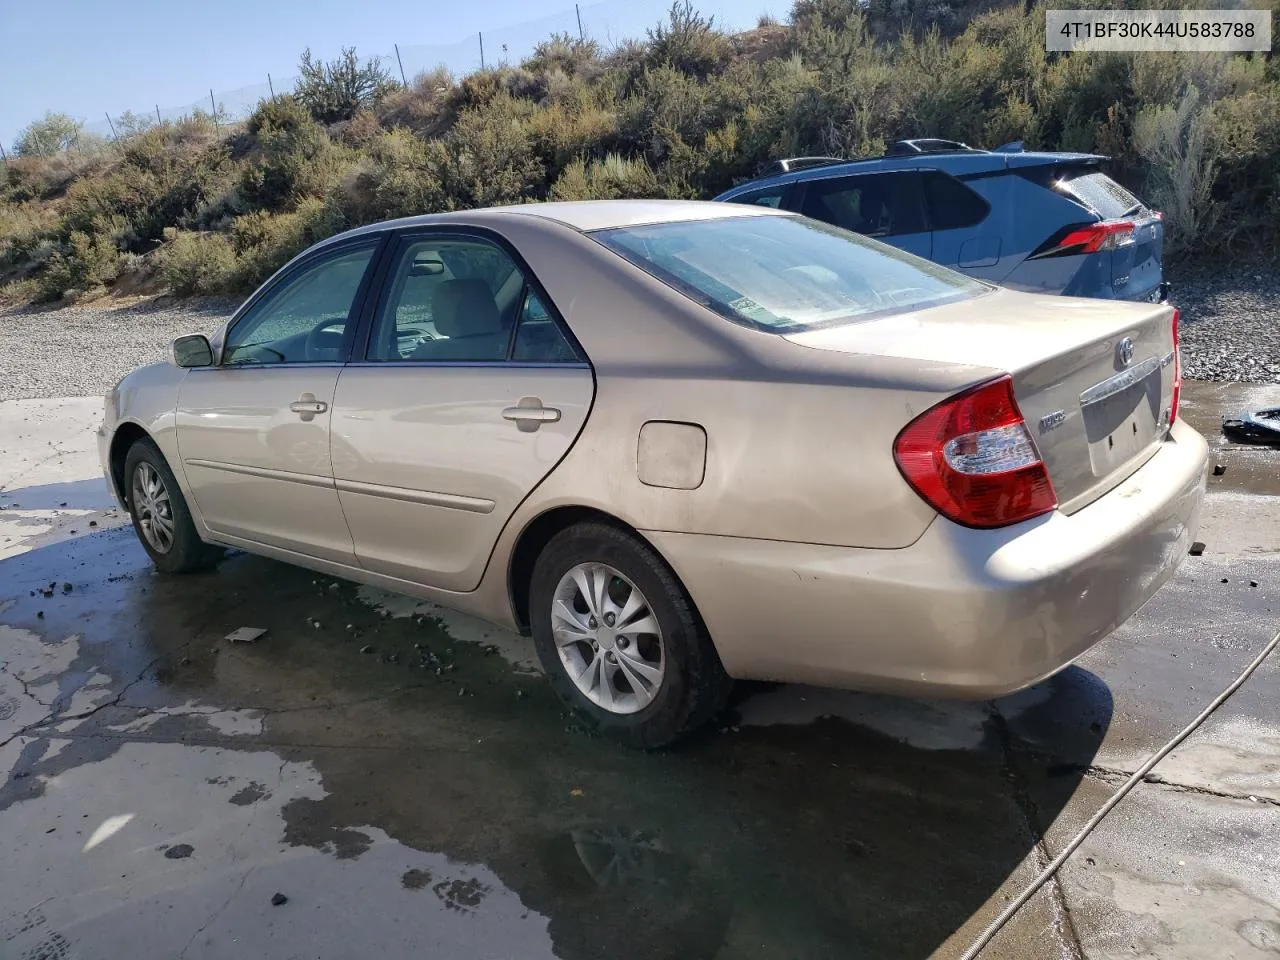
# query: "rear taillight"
{"type": "Point", "coordinates": [1177, 370]}
{"type": "Point", "coordinates": [973, 460]}
{"type": "Point", "coordinates": [1091, 238]}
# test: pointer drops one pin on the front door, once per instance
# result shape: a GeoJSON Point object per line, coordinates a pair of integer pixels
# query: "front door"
{"type": "Point", "coordinates": [470, 393]}
{"type": "Point", "coordinates": [253, 431]}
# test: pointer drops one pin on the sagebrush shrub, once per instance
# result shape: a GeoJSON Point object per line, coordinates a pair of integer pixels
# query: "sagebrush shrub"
{"type": "Point", "coordinates": [83, 263]}
{"type": "Point", "coordinates": [197, 264]}
{"type": "Point", "coordinates": [613, 178]}
{"type": "Point", "coordinates": [685, 113]}
{"type": "Point", "coordinates": [335, 90]}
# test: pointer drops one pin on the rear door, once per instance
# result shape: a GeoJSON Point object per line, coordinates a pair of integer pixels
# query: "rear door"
{"type": "Point", "coordinates": [965, 236]}
{"type": "Point", "coordinates": [469, 392]}
{"type": "Point", "coordinates": [253, 431]}
{"type": "Point", "coordinates": [885, 206]}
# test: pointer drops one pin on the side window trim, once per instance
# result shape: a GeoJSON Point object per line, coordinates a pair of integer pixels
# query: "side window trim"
{"type": "Point", "coordinates": [398, 241]}
{"type": "Point", "coordinates": [287, 273]}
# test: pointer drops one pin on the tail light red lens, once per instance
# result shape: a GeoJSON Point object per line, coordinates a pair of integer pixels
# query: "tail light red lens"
{"type": "Point", "coordinates": [1177, 370]}
{"type": "Point", "coordinates": [973, 459]}
{"type": "Point", "coordinates": [1092, 238]}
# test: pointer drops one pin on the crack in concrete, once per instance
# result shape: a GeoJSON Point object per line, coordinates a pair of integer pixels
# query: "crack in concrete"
{"type": "Point", "coordinates": [56, 717]}
{"type": "Point", "coordinates": [26, 689]}
{"type": "Point", "coordinates": [1111, 775]}
{"type": "Point", "coordinates": [1068, 937]}
{"type": "Point", "coordinates": [216, 914]}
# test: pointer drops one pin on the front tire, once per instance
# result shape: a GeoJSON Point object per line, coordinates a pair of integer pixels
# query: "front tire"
{"type": "Point", "coordinates": [161, 518]}
{"type": "Point", "coordinates": [620, 639]}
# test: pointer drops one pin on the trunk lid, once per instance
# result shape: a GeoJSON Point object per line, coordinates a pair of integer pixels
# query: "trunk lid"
{"type": "Point", "coordinates": [1098, 408]}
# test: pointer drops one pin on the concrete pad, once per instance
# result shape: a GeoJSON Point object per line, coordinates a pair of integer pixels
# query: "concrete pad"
{"type": "Point", "coordinates": [431, 798]}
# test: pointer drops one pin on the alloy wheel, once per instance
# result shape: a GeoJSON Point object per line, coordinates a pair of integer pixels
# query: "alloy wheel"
{"type": "Point", "coordinates": [153, 508]}
{"type": "Point", "coordinates": [608, 638]}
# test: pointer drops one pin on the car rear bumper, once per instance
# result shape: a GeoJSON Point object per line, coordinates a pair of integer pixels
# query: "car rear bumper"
{"type": "Point", "coordinates": [962, 612]}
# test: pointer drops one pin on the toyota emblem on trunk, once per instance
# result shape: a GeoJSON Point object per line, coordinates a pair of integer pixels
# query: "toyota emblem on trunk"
{"type": "Point", "coordinates": [1124, 352]}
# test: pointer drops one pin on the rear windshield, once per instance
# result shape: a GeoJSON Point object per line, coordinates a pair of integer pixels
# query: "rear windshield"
{"type": "Point", "coordinates": [1102, 195]}
{"type": "Point", "coordinates": [786, 274]}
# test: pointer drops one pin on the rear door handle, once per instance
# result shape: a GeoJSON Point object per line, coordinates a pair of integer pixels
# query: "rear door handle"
{"type": "Point", "coordinates": [307, 406]}
{"type": "Point", "coordinates": [529, 414]}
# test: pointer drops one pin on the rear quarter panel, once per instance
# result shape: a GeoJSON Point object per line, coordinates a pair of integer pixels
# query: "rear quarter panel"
{"type": "Point", "coordinates": [799, 440]}
{"type": "Point", "coordinates": [1031, 213]}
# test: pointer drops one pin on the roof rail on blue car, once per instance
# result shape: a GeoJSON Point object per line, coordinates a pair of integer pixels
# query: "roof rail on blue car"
{"type": "Point", "coordinates": [929, 145]}
{"type": "Point", "coordinates": [799, 163]}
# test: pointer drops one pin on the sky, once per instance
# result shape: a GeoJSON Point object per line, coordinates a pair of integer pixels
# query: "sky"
{"type": "Point", "coordinates": [89, 58]}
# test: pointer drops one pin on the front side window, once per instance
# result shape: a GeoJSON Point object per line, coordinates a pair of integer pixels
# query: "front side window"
{"type": "Point", "coordinates": [784, 274]}
{"type": "Point", "coordinates": [462, 299]}
{"type": "Point", "coordinates": [874, 205]}
{"type": "Point", "coordinates": [305, 318]}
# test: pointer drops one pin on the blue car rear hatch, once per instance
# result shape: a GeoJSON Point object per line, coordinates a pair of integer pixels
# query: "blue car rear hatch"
{"type": "Point", "coordinates": [1117, 244]}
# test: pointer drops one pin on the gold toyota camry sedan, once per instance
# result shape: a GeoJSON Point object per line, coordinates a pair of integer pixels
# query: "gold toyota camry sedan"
{"type": "Point", "coordinates": [679, 443]}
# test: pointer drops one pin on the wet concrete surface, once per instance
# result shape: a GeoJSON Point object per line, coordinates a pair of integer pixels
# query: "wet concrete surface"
{"type": "Point", "coordinates": [159, 785]}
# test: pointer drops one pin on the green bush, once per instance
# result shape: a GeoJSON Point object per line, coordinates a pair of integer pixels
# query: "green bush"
{"type": "Point", "coordinates": [423, 107]}
{"type": "Point", "coordinates": [54, 133]}
{"type": "Point", "coordinates": [613, 178]}
{"type": "Point", "coordinates": [83, 263]}
{"type": "Point", "coordinates": [564, 53]}
{"type": "Point", "coordinates": [336, 90]}
{"type": "Point", "coordinates": [487, 158]}
{"type": "Point", "coordinates": [685, 113]}
{"type": "Point", "coordinates": [688, 42]}
{"type": "Point", "coordinates": [197, 264]}
{"type": "Point", "coordinates": [265, 242]}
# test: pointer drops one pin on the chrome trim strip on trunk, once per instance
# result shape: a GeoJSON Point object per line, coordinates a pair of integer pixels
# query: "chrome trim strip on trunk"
{"type": "Point", "coordinates": [451, 500]}
{"type": "Point", "coordinates": [306, 479]}
{"type": "Point", "coordinates": [1121, 381]}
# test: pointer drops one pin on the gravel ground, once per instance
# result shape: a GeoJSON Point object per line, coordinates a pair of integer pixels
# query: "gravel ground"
{"type": "Point", "coordinates": [1230, 331]}
{"type": "Point", "coordinates": [83, 350]}
{"type": "Point", "coordinates": [1230, 327]}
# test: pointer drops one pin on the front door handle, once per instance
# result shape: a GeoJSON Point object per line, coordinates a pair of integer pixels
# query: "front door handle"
{"type": "Point", "coordinates": [529, 414]}
{"type": "Point", "coordinates": [307, 406]}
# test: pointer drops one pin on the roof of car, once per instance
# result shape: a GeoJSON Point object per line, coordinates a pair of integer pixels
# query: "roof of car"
{"type": "Point", "coordinates": [584, 215]}
{"type": "Point", "coordinates": [957, 161]}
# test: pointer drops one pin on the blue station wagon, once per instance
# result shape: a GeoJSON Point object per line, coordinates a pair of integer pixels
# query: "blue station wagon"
{"type": "Point", "coordinates": [1040, 222]}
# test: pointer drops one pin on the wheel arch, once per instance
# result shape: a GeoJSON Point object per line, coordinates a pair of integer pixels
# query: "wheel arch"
{"type": "Point", "coordinates": [127, 434]}
{"type": "Point", "coordinates": [534, 538]}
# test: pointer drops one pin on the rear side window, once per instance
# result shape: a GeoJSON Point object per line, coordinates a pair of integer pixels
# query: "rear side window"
{"type": "Point", "coordinates": [951, 204]}
{"type": "Point", "coordinates": [1100, 194]}
{"type": "Point", "coordinates": [874, 205]}
{"type": "Point", "coordinates": [785, 274]}
{"type": "Point", "coordinates": [769, 197]}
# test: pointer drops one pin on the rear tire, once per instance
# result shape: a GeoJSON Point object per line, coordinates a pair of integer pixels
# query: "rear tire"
{"type": "Point", "coordinates": [620, 639]}
{"type": "Point", "coordinates": [161, 518]}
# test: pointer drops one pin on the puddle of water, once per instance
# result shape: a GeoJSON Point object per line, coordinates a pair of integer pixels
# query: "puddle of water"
{"type": "Point", "coordinates": [91, 851]}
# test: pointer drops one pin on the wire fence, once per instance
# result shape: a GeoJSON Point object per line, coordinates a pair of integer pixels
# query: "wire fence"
{"type": "Point", "coordinates": [609, 23]}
